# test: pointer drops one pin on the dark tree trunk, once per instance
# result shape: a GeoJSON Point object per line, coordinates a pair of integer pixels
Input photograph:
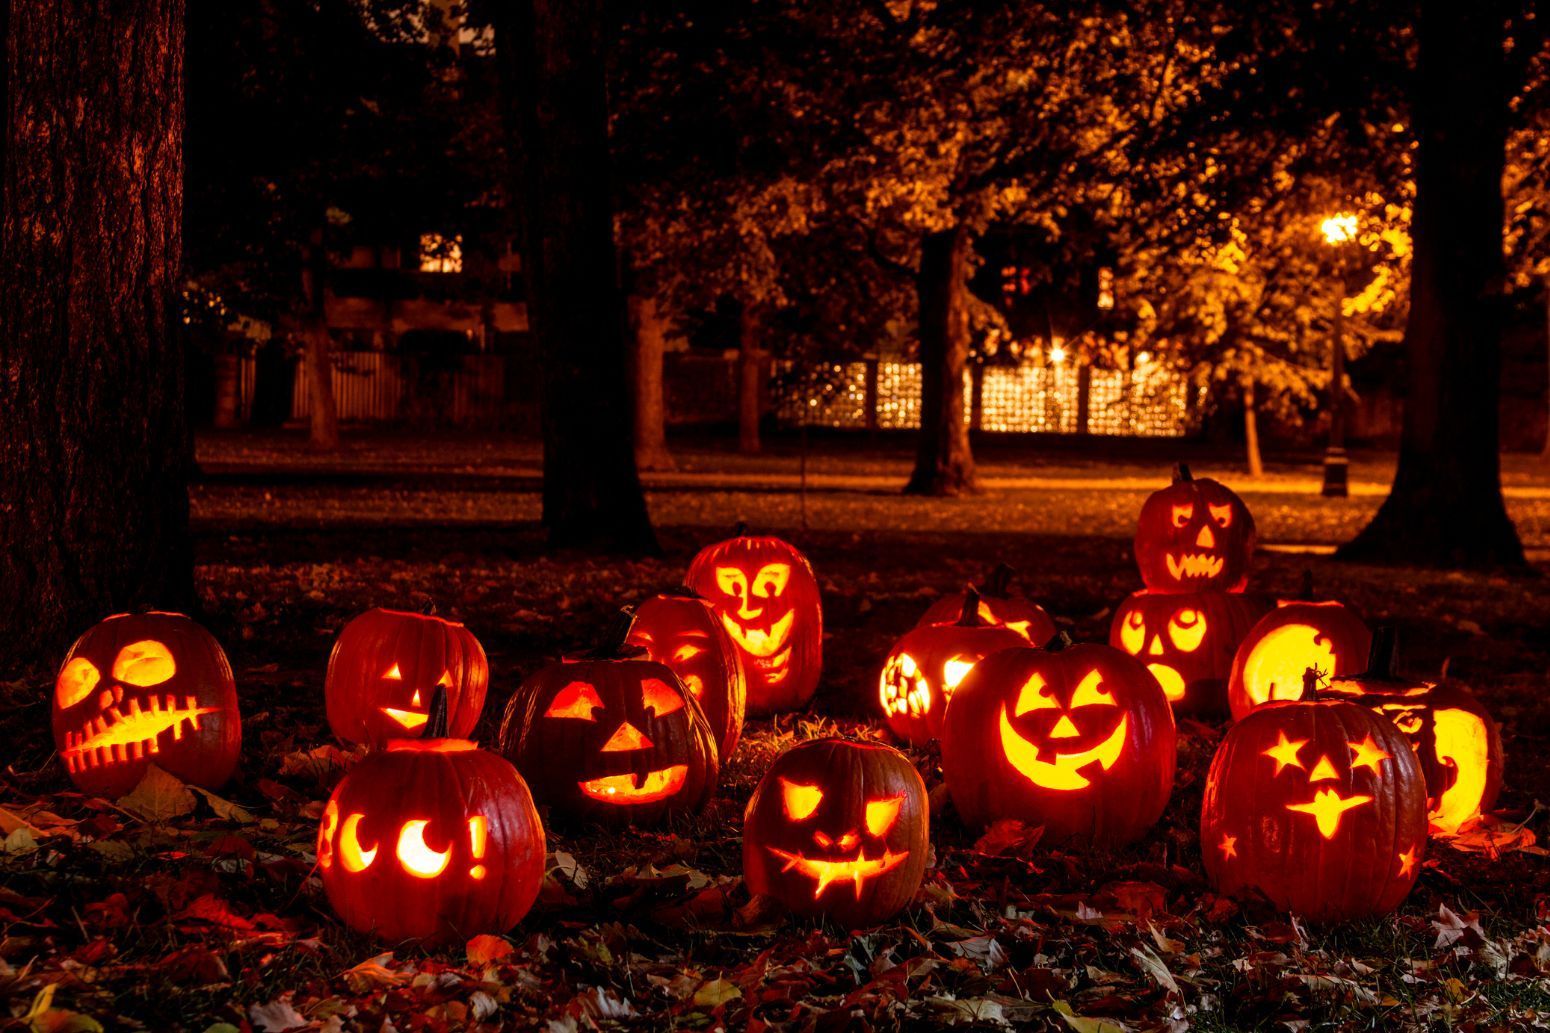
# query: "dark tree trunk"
{"type": "Point", "coordinates": [944, 465]}
{"type": "Point", "coordinates": [554, 55]}
{"type": "Point", "coordinates": [750, 379]}
{"type": "Point", "coordinates": [94, 444]}
{"type": "Point", "coordinates": [1445, 508]}
{"type": "Point", "coordinates": [318, 349]}
{"type": "Point", "coordinates": [646, 375]}
{"type": "Point", "coordinates": [1251, 452]}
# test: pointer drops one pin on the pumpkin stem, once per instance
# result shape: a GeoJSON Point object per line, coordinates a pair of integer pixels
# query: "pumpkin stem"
{"type": "Point", "coordinates": [1059, 642]}
{"type": "Point", "coordinates": [1380, 658]}
{"type": "Point", "coordinates": [613, 643]}
{"type": "Point", "coordinates": [1306, 592]}
{"type": "Point", "coordinates": [1310, 684]}
{"type": "Point", "coordinates": [436, 719]}
{"type": "Point", "coordinates": [998, 584]}
{"type": "Point", "coordinates": [969, 616]}
{"type": "Point", "coordinates": [1181, 473]}
{"type": "Point", "coordinates": [741, 530]}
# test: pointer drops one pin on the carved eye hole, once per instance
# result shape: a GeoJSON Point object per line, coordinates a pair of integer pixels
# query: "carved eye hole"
{"type": "Point", "coordinates": [394, 674]}
{"type": "Point", "coordinates": [1222, 515]}
{"type": "Point", "coordinates": [1132, 633]}
{"type": "Point", "coordinates": [799, 800]}
{"type": "Point", "coordinates": [1183, 514]}
{"type": "Point", "coordinates": [686, 652]}
{"type": "Point", "coordinates": [76, 681]}
{"type": "Point", "coordinates": [326, 832]}
{"type": "Point", "coordinates": [881, 814]}
{"type": "Point", "coordinates": [1187, 628]}
{"type": "Point", "coordinates": [576, 701]}
{"type": "Point", "coordinates": [351, 855]}
{"type": "Point", "coordinates": [660, 697]}
{"type": "Point", "coordinates": [1091, 693]}
{"type": "Point", "coordinates": [771, 580]}
{"type": "Point", "coordinates": [416, 855]}
{"type": "Point", "coordinates": [1034, 695]}
{"type": "Point", "coordinates": [731, 581]}
{"type": "Point", "coordinates": [144, 664]}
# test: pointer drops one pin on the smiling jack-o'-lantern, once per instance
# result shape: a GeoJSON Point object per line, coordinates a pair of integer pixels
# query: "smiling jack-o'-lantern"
{"type": "Point", "coordinates": [997, 605]}
{"type": "Point", "coordinates": [146, 688]}
{"type": "Point", "coordinates": [431, 839]}
{"type": "Point", "coordinates": [1078, 739]}
{"type": "Point", "coordinates": [1320, 806]}
{"type": "Point", "coordinates": [767, 597]}
{"type": "Point", "coordinates": [1187, 642]}
{"type": "Point", "coordinates": [840, 829]}
{"type": "Point", "coordinates": [386, 666]}
{"type": "Point", "coordinates": [1298, 634]}
{"type": "Point", "coordinates": [683, 632]}
{"type": "Point", "coordinates": [612, 738]}
{"type": "Point", "coordinates": [1193, 536]}
{"type": "Point", "coordinates": [927, 665]}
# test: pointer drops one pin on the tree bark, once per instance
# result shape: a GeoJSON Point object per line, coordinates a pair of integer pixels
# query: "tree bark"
{"type": "Point", "coordinates": [323, 424]}
{"type": "Point", "coordinates": [750, 379]}
{"type": "Point", "coordinates": [1445, 508]}
{"type": "Point", "coordinates": [646, 375]}
{"type": "Point", "coordinates": [95, 449]}
{"type": "Point", "coordinates": [1256, 461]}
{"type": "Point", "coordinates": [944, 464]}
{"type": "Point", "coordinates": [553, 53]}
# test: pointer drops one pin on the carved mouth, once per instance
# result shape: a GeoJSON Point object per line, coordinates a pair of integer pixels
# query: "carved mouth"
{"type": "Point", "coordinates": [1194, 564]}
{"type": "Point", "coordinates": [1172, 681]}
{"type": "Point", "coordinates": [115, 736]}
{"type": "Point", "coordinates": [1063, 771]}
{"type": "Point", "coordinates": [757, 642]}
{"type": "Point", "coordinates": [407, 719]}
{"type": "Point", "coordinates": [633, 789]}
{"type": "Point", "coordinates": [855, 870]}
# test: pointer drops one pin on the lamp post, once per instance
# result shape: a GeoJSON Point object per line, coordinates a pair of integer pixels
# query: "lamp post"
{"type": "Point", "coordinates": [1339, 230]}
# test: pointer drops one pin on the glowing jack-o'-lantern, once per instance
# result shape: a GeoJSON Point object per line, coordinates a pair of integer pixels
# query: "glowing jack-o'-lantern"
{"type": "Point", "coordinates": [840, 829]}
{"type": "Point", "coordinates": [767, 597]}
{"type": "Point", "coordinates": [146, 688]}
{"type": "Point", "coordinates": [1299, 634]}
{"type": "Point", "coordinates": [1320, 806]}
{"type": "Point", "coordinates": [387, 664]}
{"type": "Point", "coordinates": [683, 632]}
{"type": "Point", "coordinates": [997, 605]}
{"type": "Point", "coordinates": [927, 665]}
{"type": "Point", "coordinates": [431, 839]}
{"type": "Point", "coordinates": [1187, 641]}
{"type": "Point", "coordinates": [1078, 739]}
{"type": "Point", "coordinates": [1193, 536]}
{"type": "Point", "coordinates": [1453, 736]}
{"type": "Point", "coordinates": [611, 738]}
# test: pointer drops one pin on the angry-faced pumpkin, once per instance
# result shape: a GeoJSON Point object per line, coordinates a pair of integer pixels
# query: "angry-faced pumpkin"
{"type": "Point", "coordinates": [840, 829]}
{"type": "Point", "coordinates": [767, 597]}
{"type": "Point", "coordinates": [611, 739]}
{"type": "Point", "coordinates": [1318, 805]}
{"type": "Point", "coordinates": [1273, 658]}
{"type": "Point", "coordinates": [1078, 739]}
{"type": "Point", "coordinates": [997, 605]}
{"type": "Point", "coordinates": [1187, 641]}
{"type": "Point", "coordinates": [927, 665]}
{"type": "Point", "coordinates": [387, 664]}
{"type": "Point", "coordinates": [141, 689]}
{"type": "Point", "coordinates": [682, 631]}
{"type": "Point", "coordinates": [1194, 536]}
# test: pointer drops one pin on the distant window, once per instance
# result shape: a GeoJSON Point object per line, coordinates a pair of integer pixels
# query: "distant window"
{"type": "Point", "coordinates": [439, 254]}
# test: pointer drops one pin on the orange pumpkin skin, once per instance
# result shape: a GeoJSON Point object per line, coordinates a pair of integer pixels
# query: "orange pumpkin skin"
{"type": "Point", "coordinates": [1079, 740]}
{"type": "Point", "coordinates": [387, 664]}
{"type": "Point", "coordinates": [431, 839]}
{"type": "Point", "coordinates": [767, 597]}
{"type": "Point", "coordinates": [613, 741]}
{"type": "Point", "coordinates": [1194, 536]}
{"type": "Point", "coordinates": [1273, 657]}
{"type": "Point", "coordinates": [1187, 641]}
{"type": "Point", "coordinates": [927, 665]}
{"type": "Point", "coordinates": [146, 688]}
{"type": "Point", "coordinates": [840, 829]}
{"type": "Point", "coordinates": [684, 633]}
{"type": "Point", "coordinates": [1318, 805]}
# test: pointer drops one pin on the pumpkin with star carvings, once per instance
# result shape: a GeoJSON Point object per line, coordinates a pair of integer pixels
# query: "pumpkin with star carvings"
{"type": "Point", "coordinates": [1319, 806]}
{"type": "Point", "coordinates": [1283, 644]}
{"type": "Point", "coordinates": [1187, 640]}
{"type": "Point", "coordinates": [1078, 739]}
{"type": "Point", "coordinates": [682, 631]}
{"type": "Point", "coordinates": [997, 605]}
{"type": "Point", "coordinates": [838, 828]}
{"type": "Point", "coordinates": [1194, 536]}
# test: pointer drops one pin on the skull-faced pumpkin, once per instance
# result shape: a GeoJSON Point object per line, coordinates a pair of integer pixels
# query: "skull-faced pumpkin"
{"type": "Point", "coordinates": [387, 665]}
{"type": "Point", "coordinates": [1318, 805]}
{"type": "Point", "coordinates": [997, 605]}
{"type": "Point", "coordinates": [1193, 536]}
{"type": "Point", "coordinates": [615, 741]}
{"type": "Point", "coordinates": [1273, 658]}
{"type": "Point", "coordinates": [840, 829]}
{"type": "Point", "coordinates": [146, 688]}
{"type": "Point", "coordinates": [1078, 739]}
{"type": "Point", "coordinates": [1187, 641]}
{"type": "Point", "coordinates": [683, 632]}
{"type": "Point", "coordinates": [767, 597]}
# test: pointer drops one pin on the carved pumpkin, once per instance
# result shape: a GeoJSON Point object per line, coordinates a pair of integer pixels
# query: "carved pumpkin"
{"type": "Point", "coordinates": [767, 597]}
{"type": "Point", "coordinates": [840, 829]}
{"type": "Point", "coordinates": [1453, 736]}
{"type": "Point", "coordinates": [684, 633]}
{"type": "Point", "coordinates": [929, 662]}
{"type": "Point", "coordinates": [1298, 634]}
{"type": "Point", "coordinates": [1193, 536]}
{"type": "Point", "coordinates": [1320, 806]}
{"type": "Point", "coordinates": [1187, 642]}
{"type": "Point", "coordinates": [141, 689]}
{"type": "Point", "coordinates": [387, 665]}
{"type": "Point", "coordinates": [996, 606]}
{"type": "Point", "coordinates": [431, 839]}
{"type": "Point", "coordinates": [1078, 739]}
{"type": "Point", "coordinates": [612, 739]}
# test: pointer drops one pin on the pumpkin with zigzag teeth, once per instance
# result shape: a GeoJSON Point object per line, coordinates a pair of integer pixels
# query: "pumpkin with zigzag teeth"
{"type": "Point", "coordinates": [1194, 535]}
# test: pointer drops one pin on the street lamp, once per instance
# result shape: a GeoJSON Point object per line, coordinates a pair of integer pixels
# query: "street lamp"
{"type": "Point", "coordinates": [1339, 230]}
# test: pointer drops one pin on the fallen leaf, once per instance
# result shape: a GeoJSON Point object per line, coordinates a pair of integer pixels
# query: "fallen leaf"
{"type": "Point", "coordinates": [159, 797]}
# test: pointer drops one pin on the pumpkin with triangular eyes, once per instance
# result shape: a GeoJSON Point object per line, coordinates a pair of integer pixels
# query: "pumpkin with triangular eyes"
{"type": "Point", "coordinates": [1194, 535]}
{"type": "Point", "coordinates": [386, 666]}
{"type": "Point", "coordinates": [996, 605]}
{"type": "Point", "coordinates": [1271, 661]}
{"type": "Point", "coordinates": [1077, 739]}
{"type": "Point", "coordinates": [838, 828]}
{"type": "Point", "coordinates": [142, 689]}
{"type": "Point", "coordinates": [1187, 641]}
{"type": "Point", "coordinates": [682, 631]}
{"type": "Point", "coordinates": [611, 739]}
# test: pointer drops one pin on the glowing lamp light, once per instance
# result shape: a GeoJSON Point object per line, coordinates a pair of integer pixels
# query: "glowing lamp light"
{"type": "Point", "coordinates": [1339, 228]}
{"type": "Point", "coordinates": [1057, 354]}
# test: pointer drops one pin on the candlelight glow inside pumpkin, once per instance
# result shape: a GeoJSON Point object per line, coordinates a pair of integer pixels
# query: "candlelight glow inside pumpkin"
{"type": "Point", "coordinates": [1194, 535]}
{"type": "Point", "coordinates": [1297, 636]}
{"type": "Point", "coordinates": [1187, 641]}
{"type": "Point", "coordinates": [1063, 769]}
